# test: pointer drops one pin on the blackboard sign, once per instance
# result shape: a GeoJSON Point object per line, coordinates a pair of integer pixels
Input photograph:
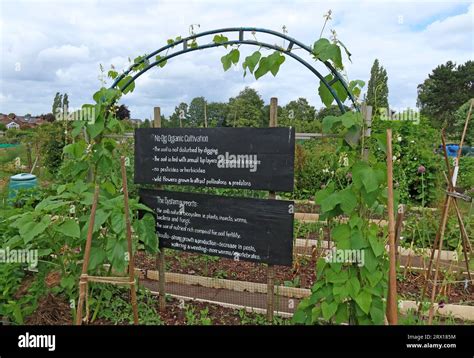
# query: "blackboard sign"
{"type": "Point", "coordinates": [236, 228]}
{"type": "Point", "coordinates": [240, 158]}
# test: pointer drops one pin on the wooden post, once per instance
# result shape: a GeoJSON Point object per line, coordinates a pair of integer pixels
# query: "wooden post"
{"type": "Point", "coordinates": [271, 196]}
{"type": "Point", "coordinates": [85, 263]}
{"type": "Point", "coordinates": [131, 265]}
{"type": "Point", "coordinates": [157, 117]}
{"type": "Point", "coordinates": [392, 304]}
{"type": "Point", "coordinates": [28, 154]}
{"type": "Point", "coordinates": [160, 258]}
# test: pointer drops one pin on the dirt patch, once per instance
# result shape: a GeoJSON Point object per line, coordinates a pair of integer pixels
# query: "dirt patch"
{"type": "Point", "coordinates": [300, 275]}
{"type": "Point", "coordinates": [410, 287]}
{"type": "Point", "coordinates": [52, 310]}
{"type": "Point", "coordinates": [55, 310]}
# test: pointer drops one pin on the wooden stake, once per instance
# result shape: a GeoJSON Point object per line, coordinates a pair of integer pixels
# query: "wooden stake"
{"type": "Point", "coordinates": [392, 304]}
{"type": "Point", "coordinates": [271, 196]}
{"type": "Point", "coordinates": [160, 257]}
{"type": "Point", "coordinates": [131, 266]}
{"type": "Point", "coordinates": [157, 117]}
{"type": "Point", "coordinates": [28, 154]}
{"type": "Point", "coordinates": [85, 263]}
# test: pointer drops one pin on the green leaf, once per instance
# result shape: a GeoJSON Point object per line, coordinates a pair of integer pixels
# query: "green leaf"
{"type": "Point", "coordinates": [77, 150]}
{"type": "Point", "coordinates": [353, 287]}
{"type": "Point", "coordinates": [377, 245]}
{"type": "Point", "coordinates": [330, 202]}
{"type": "Point", "coordinates": [373, 277]}
{"type": "Point", "coordinates": [341, 290]}
{"type": "Point", "coordinates": [97, 257]}
{"type": "Point", "coordinates": [231, 58]}
{"type": "Point", "coordinates": [355, 221]}
{"type": "Point", "coordinates": [147, 233]}
{"type": "Point", "coordinates": [299, 317]}
{"type": "Point", "coordinates": [377, 312]}
{"type": "Point", "coordinates": [69, 228]}
{"type": "Point", "coordinates": [95, 129]}
{"type": "Point", "coordinates": [324, 193]}
{"type": "Point", "coordinates": [341, 232]}
{"type": "Point", "coordinates": [352, 136]}
{"type": "Point", "coordinates": [328, 309]}
{"type": "Point", "coordinates": [106, 95]}
{"type": "Point", "coordinates": [370, 181]}
{"type": "Point", "coordinates": [336, 277]}
{"type": "Point", "coordinates": [275, 61]}
{"type": "Point", "coordinates": [342, 314]}
{"type": "Point", "coordinates": [341, 91]}
{"type": "Point", "coordinates": [370, 261]}
{"type": "Point", "coordinates": [355, 87]}
{"type": "Point", "coordinates": [324, 50]}
{"type": "Point", "coordinates": [329, 122]}
{"type": "Point", "coordinates": [363, 300]}
{"type": "Point", "coordinates": [32, 230]}
{"type": "Point", "coordinates": [115, 250]}
{"type": "Point", "coordinates": [162, 63]}
{"type": "Point", "coordinates": [357, 240]}
{"type": "Point", "coordinates": [263, 68]}
{"type": "Point", "coordinates": [112, 74]}
{"type": "Point", "coordinates": [77, 127]}
{"type": "Point", "coordinates": [348, 200]}
{"type": "Point", "coordinates": [326, 96]}
{"type": "Point", "coordinates": [218, 39]}
{"type": "Point", "coordinates": [251, 62]}
{"type": "Point", "coordinates": [123, 82]}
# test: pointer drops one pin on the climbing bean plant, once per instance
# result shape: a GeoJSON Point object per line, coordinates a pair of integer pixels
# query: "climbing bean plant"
{"type": "Point", "coordinates": [351, 289]}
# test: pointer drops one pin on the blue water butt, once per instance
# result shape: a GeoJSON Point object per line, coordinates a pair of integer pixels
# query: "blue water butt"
{"type": "Point", "coordinates": [21, 181]}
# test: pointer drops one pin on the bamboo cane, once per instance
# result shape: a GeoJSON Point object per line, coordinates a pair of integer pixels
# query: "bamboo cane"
{"type": "Point", "coordinates": [392, 278]}
{"type": "Point", "coordinates": [85, 263]}
{"type": "Point", "coordinates": [131, 266]}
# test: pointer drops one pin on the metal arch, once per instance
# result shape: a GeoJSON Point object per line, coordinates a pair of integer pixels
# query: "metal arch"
{"type": "Point", "coordinates": [337, 76]}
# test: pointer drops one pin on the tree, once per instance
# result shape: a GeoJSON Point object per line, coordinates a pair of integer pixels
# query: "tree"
{"type": "Point", "coordinates": [459, 122]}
{"type": "Point", "coordinates": [444, 91]}
{"type": "Point", "coordinates": [65, 103]}
{"type": "Point", "coordinates": [123, 112]}
{"type": "Point", "coordinates": [146, 123]}
{"type": "Point", "coordinates": [57, 103]}
{"type": "Point", "coordinates": [49, 117]}
{"type": "Point", "coordinates": [332, 110]}
{"type": "Point", "coordinates": [217, 113]}
{"type": "Point", "coordinates": [197, 112]}
{"type": "Point", "coordinates": [246, 110]}
{"type": "Point", "coordinates": [299, 110]}
{"type": "Point", "coordinates": [180, 117]}
{"type": "Point", "coordinates": [377, 89]}
{"type": "Point", "coordinates": [3, 127]}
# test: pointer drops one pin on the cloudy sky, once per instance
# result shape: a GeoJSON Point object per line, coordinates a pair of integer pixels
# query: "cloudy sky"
{"type": "Point", "coordinates": [58, 46]}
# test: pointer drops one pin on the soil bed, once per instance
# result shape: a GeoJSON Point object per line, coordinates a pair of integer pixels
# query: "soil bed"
{"type": "Point", "coordinates": [303, 276]}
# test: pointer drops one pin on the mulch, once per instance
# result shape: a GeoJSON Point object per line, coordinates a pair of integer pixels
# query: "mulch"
{"type": "Point", "coordinates": [303, 275]}
{"type": "Point", "coordinates": [195, 264]}
{"type": "Point", "coordinates": [55, 310]}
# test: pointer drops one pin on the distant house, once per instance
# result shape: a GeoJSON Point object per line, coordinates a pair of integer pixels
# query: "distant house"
{"type": "Point", "coordinates": [13, 125]}
{"type": "Point", "coordinates": [21, 122]}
